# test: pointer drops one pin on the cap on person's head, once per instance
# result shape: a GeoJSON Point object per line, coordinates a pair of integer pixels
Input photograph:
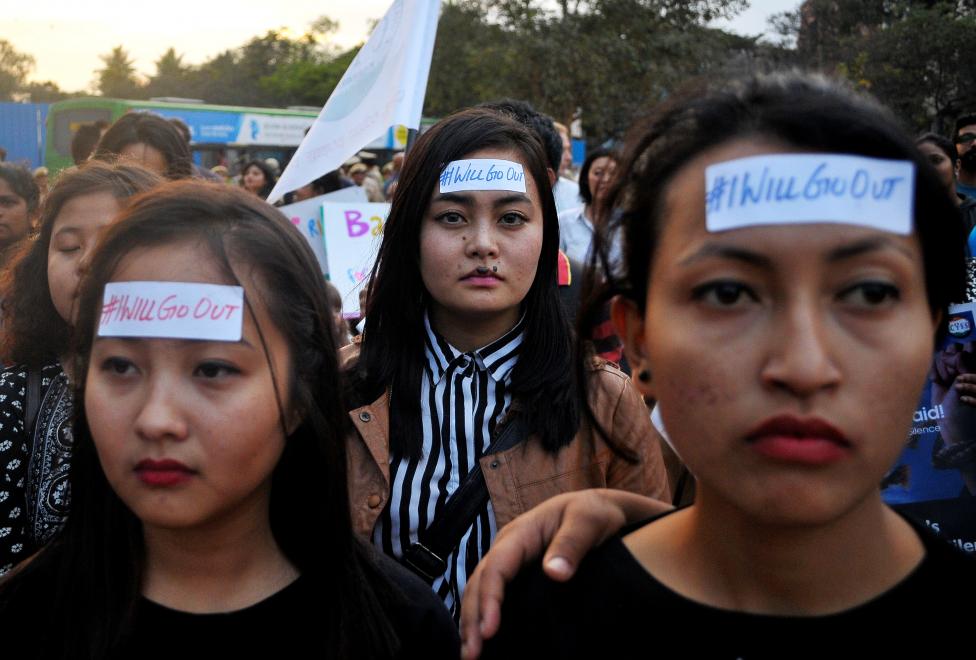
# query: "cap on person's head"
{"type": "Point", "coordinates": [357, 168]}
{"type": "Point", "coordinates": [40, 171]}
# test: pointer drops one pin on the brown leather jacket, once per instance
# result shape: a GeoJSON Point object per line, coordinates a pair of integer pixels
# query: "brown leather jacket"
{"type": "Point", "coordinates": [522, 477]}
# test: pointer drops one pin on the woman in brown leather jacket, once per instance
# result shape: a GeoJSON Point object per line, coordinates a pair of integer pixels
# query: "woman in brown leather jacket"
{"type": "Point", "coordinates": [466, 345]}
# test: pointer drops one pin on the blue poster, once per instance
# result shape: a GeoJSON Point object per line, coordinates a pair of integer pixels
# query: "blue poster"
{"type": "Point", "coordinates": [934, 479]}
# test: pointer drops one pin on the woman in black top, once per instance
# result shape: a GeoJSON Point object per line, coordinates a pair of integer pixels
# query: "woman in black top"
{"type": "Point", "coordinates": [789, 257]}
{"type": "Point", "coordinates": [209, 510]}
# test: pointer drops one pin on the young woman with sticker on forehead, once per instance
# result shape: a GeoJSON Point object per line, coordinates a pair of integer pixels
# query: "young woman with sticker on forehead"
{"type": "Point", "coordinates": [466, 381]}
{"type": "Point", "coordinates": [39, 292]}
{"type": "Point", "coordinates": [210, 515]}
{"type": "Point", "coordinates": [785, 338]}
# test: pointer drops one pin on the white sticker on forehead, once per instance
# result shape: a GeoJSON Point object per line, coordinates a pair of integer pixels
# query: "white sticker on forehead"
{"type": "Point", "coordinates": [780, 189]}
{"type": "Point", "coordinates": [482, 174]}
{"type": "Point", "coordinates": [172, 310]}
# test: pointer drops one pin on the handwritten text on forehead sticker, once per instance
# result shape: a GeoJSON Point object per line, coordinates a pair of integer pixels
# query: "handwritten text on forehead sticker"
{"type": "Point", "coordinates": [801, 188]}
{"type": "Point", "coordinates": [172, 310]}
{"type": "Point", "coordinates": [482, 174]}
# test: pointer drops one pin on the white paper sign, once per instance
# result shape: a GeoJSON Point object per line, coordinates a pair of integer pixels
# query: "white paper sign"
{"type": "Point", "coordinates": [802, 188]}
{"type": "Point", "coordinates": [482, 174]}
{"type": "Point", "coordinates": [383, 86]}
{"type": "Point", "coordinates": [172, 310]}
{"type": "Point", "coordinates": [307, 217]}
{"type": "Point", "coordinates": [353, 233]}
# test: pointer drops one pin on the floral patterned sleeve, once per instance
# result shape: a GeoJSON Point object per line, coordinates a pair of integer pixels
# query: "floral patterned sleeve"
{"type": "Point", "coordinates": [13, 467]}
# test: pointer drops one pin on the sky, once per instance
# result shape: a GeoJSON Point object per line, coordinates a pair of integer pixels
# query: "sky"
{"type": "Point", "coordinates": [66, 37]}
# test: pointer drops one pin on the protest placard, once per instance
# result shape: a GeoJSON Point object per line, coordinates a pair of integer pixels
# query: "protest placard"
{"type": "Point", "coordinates": [934, 479]}
{"type": "Point", "coordinates": [383, 86]}
{"type": "Point", "coordinates": [307, 217]}
{"type": "Point", "coordinates": [352, 236]}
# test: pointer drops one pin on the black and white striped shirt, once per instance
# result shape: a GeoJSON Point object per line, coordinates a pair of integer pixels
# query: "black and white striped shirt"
{"type": "Point", "coordinates": [463, 395]}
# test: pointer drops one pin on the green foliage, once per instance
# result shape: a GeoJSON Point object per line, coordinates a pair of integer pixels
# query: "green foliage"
{"type": "Point", "coordinates": [915, 56]}
{"type": "Point", "coordinates": [605, 61]}
{"type": "Point", "coordinates": [117, 79]}
{"type": "Point", "coordinates": [14, 67]}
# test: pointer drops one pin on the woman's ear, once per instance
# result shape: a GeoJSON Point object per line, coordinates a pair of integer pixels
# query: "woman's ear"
{"type": "Point", "coordinates": [629, 323]}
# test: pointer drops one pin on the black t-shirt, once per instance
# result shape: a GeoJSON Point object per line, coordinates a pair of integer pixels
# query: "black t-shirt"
{"type": "Point", "coordinates": [288, 624]}
{"type": "Point", "coordinates": [613, 608]}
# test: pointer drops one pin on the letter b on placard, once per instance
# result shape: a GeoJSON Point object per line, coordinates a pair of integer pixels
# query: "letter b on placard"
{"type": "Point", "coordinates": [354, 224]}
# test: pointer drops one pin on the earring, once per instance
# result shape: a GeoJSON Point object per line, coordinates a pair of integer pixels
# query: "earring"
{"type": "Point", "coordinates": [644, 375]}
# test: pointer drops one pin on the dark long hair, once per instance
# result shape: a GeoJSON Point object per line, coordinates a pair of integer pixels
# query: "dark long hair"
{"type": "Point", "coordinates": [147, 128]}
{"type": "Point", "coordinates": [94, 567]}
{"type": "Point", "coordinates": [33, 332]}
{"type": "Point", "coordinates": [800, 110]}
{"type": "Point", "coordinates": [584, 178]}
{"type": "Point", "coordinates": [544, 382]}
{"type": "Point", "coordinates": [269, 177]}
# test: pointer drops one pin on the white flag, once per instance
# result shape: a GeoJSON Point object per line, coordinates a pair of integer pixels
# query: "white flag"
{"type": "Point", "coordinates": [383, 86]}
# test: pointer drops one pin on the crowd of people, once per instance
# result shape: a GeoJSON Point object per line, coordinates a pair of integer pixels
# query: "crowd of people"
{"type": "Point", "coordinates": [767, 266]}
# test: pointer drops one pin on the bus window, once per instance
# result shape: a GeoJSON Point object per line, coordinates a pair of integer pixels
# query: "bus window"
{"type": "Point", "coordinates": [66, 122]}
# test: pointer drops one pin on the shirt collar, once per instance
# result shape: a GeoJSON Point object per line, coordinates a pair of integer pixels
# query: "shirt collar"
{"type": "Point", "coordinates": [497, 358]}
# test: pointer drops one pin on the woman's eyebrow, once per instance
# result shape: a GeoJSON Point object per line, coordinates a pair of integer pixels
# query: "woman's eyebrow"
{"type": "Point", "coordinates": [517, 198]}
{"type": "Point", "coordinates": [454, 198]}
{"type": "Point", "coordinates": [727, 252]}
{"type": "Point", "coordinates": [872, 244]}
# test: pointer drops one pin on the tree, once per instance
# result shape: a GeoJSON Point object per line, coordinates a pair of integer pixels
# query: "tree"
{"type": "Point", "coordinates": [914, 55]}
{"type": "Point", "coordinates": [611, 59]}
{"type": "Point", "coordinates": [117, 79]}
{"type": "Point", "coordinates": [171, 76]}
{"type": "Point", "coordinates": [14, 67]}
{"type": "Point", "coordinates": [44, 92]}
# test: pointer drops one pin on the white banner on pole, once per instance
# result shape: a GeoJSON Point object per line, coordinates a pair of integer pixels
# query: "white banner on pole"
{"type": "Point", "coordinates": [384, 86]}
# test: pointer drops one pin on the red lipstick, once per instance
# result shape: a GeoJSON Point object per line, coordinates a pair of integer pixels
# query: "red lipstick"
{"type": "Point", "coordinates": [803, 441]}
{"type": "Point", "coordinates": [164, 472]}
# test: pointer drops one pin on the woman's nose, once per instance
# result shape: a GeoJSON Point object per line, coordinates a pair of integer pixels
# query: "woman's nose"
{"type": "Point", "coordinates": [801, 358]}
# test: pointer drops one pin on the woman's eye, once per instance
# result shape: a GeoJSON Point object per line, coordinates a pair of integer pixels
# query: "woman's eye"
{"type": "Point", "coordinates": [215, 370]}
{"type": "Point", "coordinates": [724, 294]}
{"type": "Point", "coordinates": [118, 366]}
{"type": "Point", "coordinates": [871, 294]}
{"type": "Point", "coordinates": [69, 248]}
{"type": "Point", "coordinates": [450, 218]}
{"type": "Point", "coordinates": [512, 219]}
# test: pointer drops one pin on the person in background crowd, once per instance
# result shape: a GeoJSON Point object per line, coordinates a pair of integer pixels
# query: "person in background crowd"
{"type": "Point", "coordinates": [396, 164]}
{"type": "Point", "coordinates": [786, 358]}
{"type": "Point", "coordinates": [965, 139]}
{"type": "Point", "coordinates": [274, 166]}
{"type": "Point", "coordinates": [576, 225]}
{"type": "Point", "coordinates": [83, 142]}
{"type": "Point", "coordinates": [257, 178]}
{"type": "Point", "coordinates": [39, 293]}
{"type": "Point", "coordinates": [210, 514]}
{"type": "Point", "coordinates": [360, 177]}
{"type": "Point", "coordinates": [3, 154]}
{"type": "Point", "coordinates": [467, 372]}
{"type": "Point", "coordinates": [943, 156]}
{"type": "Point", "coordinates": [222, 173]}
{"type": "Point", "coordinates": [335, 304]}
{"type": "Point", "coordinates": [41, 179]}
{"type": "Point", "coordinates": [19, 201]}
{"type": "Point", "coordinates": [150, 141]}
{"type": "Point", "coordinates": [328, 182]}
{"type": "Point", "coordinates": [368, 158]}
{"type": "Point", "coordinates": [198, 171]}
{"type": "Point", "coordinates": [565, 190]}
